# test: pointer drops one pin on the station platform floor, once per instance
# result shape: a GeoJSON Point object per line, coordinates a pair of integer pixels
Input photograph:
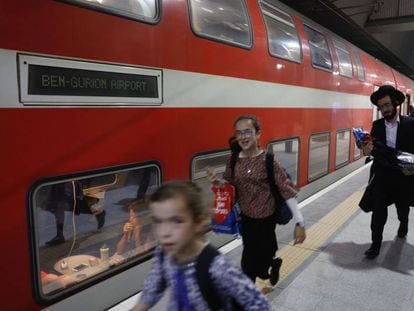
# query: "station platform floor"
{"type": "Point", "coordinates": [329, 270]}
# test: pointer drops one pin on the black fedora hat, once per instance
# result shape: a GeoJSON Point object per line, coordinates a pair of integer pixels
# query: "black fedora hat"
{"type": "Point", "coordinates": [387, 90]}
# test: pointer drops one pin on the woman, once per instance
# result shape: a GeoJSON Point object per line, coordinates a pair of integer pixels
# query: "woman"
{"type": "Point", "coordinates": [257, 204]}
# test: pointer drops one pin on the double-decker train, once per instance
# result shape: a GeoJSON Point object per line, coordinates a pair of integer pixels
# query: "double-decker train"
{"type": "Point", "coordinates": [103, 100]}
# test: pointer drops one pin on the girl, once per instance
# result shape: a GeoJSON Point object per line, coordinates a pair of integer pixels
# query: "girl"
{"type": "Point", "coordinates": [178, 219]}
{"type": "Point", "coordinates": [132, 236]}
{"type": "Point", "coordinates": [257, 204]}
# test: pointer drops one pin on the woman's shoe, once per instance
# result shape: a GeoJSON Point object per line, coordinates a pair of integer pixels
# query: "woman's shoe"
{"type": "Point", "coordinates": [266, 290]}
{"type": "Point", "coordinates": [275, 269]}
{"type": "Point", "coordinates": [372, 252]}
{"type": "Point", "coordinates": [263, 286]}
{"type": "Point", "coordinates": [402, 230]}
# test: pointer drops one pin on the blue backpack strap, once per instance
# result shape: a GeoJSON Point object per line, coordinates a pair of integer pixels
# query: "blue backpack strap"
{"type": "Point", "coordinates": [164, 281]}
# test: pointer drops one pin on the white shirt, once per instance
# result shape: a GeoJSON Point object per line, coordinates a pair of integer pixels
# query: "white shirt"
{"type": "Point", "coordinates": [391, 132]}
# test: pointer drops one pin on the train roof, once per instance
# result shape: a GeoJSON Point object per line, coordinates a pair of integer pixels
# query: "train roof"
{"type": "Point", "coordinates": [355, 24]}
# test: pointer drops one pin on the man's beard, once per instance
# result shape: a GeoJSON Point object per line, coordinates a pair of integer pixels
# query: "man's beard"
{"type": "Point", "coordinates": [390, 116]}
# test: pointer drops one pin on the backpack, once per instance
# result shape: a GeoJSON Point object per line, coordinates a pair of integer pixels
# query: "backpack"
{"type": "Point", "coordinates": [214, 300]}
{"type": "Point", "coordinates": [282, 214]}
{"type": "Point", "coordinates": [205, 284]}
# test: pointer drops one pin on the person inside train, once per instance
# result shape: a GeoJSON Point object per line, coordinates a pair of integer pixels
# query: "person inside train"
{"type": "Point", "coordinates": [257, 203]}
{"type": "Point", "coordinates": [188, 265]}
{"type": "Point", "coordinates": [391, 185]}
{"type": "Point", "coordinates": [68, 196]}
{"type": "Point", "coordinates": [132, 237]}
{"type": "Point", "coordinates": [59, 281]}
{"type": "Point", "coordinates": [130, 243]}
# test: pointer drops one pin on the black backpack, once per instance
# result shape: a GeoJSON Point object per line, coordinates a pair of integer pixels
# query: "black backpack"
{"type": "Point", "coordinates": [215, 302]}
{"type": "Point", "coordinates": [209, 293]}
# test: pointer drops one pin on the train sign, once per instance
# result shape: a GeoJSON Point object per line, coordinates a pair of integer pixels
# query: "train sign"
{"type": "Point", "coordinates": [53, 81]}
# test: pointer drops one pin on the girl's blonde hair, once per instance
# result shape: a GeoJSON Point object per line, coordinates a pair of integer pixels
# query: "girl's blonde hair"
{"type": "Point", "coordinates": [187, 190]}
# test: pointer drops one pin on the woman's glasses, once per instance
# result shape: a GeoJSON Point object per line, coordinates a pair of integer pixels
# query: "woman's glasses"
{"type": "Point", "coordinates": [246, 133]}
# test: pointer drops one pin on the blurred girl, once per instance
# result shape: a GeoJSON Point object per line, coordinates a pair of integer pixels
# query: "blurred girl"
{"type": "Point", "coordinates": [178, 218]}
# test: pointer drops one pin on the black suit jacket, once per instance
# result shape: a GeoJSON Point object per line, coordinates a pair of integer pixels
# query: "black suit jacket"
{"type": "Point", "coordinates": [405, 133]}
{"type": "Point", "coordinates": [391, 185]}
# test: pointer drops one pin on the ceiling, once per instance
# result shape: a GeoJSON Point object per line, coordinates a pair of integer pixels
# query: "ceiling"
{"type": "Point", "coordinates": [382, 28]}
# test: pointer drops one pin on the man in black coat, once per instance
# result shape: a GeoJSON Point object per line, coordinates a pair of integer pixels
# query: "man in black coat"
{"type": "Point", "coordinates": [392, 184]}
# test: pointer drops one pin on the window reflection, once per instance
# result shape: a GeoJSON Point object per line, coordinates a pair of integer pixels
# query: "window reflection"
{"type": "Point", "coordinates": [344, 59]}
{"type": "Point", "coordinates": [321, 57]}
{"type": "Point", "coordinates": [86, 226]}
{"type": "Point", "coordinates": [222, 20]}
{"type": "Point", "coordinates": [281, 32]}
{"type": "Point", "coordinates": [318, 155]}
{"type": "Point", "coordinates": [287, 152]}
{"type": "Point", "coordinates": [217, 161]}
{"type": "Point", "coordinates": [343, 139]}
{"type": "Point", "coordinates": [360, 67]}
{"type": "Point", "coordinates": [139, 9]}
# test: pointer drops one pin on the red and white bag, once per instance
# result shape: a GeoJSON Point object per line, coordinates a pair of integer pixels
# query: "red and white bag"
{"type": "Point", "coordinates": [226, 218]}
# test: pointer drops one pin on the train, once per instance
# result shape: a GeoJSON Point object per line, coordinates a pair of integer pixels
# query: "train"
{"type": "Point", "coordinates": [102, 101]}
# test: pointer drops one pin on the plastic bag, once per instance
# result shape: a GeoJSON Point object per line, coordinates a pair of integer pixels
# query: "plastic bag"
{"type": "Point", "coordinates": [361, 136]}
{"type": "Point", "coordinates": [406, 161]}
{"type": "Point", "coordinates": [226, 217]}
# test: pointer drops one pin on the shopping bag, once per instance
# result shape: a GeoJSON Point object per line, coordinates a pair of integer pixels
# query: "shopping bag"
{"type": "Point", "coordinates": [361, 136]}
{"type": "Point", "coordinates": [226, 216]}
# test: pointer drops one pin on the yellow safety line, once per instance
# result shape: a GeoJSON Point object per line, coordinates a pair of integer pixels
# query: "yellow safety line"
{"type": "Point", "coordinates": [294, 255]}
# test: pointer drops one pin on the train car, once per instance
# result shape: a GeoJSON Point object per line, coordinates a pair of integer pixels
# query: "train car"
{"type": "Point", "coordinates": [103, 100]}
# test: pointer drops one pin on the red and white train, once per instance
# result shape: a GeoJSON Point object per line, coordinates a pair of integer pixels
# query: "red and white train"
{"type": "Point", "coordinates": [106, 99]}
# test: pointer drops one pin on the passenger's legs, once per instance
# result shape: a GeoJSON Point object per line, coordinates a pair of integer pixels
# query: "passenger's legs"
{"type": "Point", "coordinates": [403, 211]}
{"type": "Point", "coordinates": [378, 220]}
{"type": "Point", "coordinates": [247, 259]}
{"type": "Point", "coordinates": [85, 206]}
{"type": "Point", "coordinates": [259, 246]}
{"type": "Point", "coordinates": [59, 213]}
{"type": "Point", "coordinates": [143, 183]}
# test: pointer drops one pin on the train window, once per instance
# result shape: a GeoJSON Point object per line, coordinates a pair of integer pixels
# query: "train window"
{"type": "Point", "coordinates": [360, 67]}
{"type": "Point", "coordinates": [287, 152]}
{"type": "Point", "coordinates": [222, 20]}
{"type": "Point", "coordinates": [282, 36]}
{"type": "Point", "coordinates": [344, 59]}
{"type": "Point", "coordinates": [142, 10]}
{"type": "Point", "coordinates": [88, 225]}
{"type": "Point", "coordinates": [216, 160]}
{"type": "Point", "coordinates": [318, 155]}
{"type": "Point", "coordinates": [321, 57]}
{"type": "Point", "coordinates": [343, 140]}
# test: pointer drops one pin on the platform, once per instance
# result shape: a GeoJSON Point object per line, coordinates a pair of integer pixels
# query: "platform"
{"type": "Point", "coordinates": [329, 271]}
